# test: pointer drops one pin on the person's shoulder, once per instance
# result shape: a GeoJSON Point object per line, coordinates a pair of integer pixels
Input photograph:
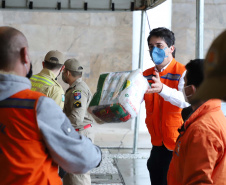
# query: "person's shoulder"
{"type": "Point", "coordinates": [82, 87]}
{"type": "Point", "coordinates": [178, 67]}
{"type": "Point", "coordinates": [210, 123]}
{"type": "Point", "coordinates": [56, 84]}
{"type": "Point", "coordinates": [55, 88]}
{"type": "Point", "coordinates": [179, 64]}
{"type": "Point", "coordinates": [44, 73]}
{"type": "Point", "coordinates": [82, 84]}
{"type": "Point", "coordinates": [44, 76]}
{"type": "Point", "coordinates": [147, 71]}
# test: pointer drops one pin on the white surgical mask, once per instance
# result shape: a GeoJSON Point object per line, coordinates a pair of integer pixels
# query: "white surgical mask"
{"type": "Point", "coordinates": [186, 90]}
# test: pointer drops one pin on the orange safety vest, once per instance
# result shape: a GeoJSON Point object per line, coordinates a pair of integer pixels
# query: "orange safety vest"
{"type": "Point", "coordinates": [24, 158]}
{"type": "Point", "coordinates": [162, 118]}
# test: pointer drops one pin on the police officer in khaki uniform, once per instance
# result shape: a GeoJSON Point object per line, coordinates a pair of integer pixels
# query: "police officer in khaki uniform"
{"type": "Point", "coordinates": [77, 99]}
{"type": "Point", "coordinates": [46, 81]}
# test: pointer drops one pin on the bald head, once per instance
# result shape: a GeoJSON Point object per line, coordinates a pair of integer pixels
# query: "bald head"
{"type": "Point", "coordinates": [12, 42]}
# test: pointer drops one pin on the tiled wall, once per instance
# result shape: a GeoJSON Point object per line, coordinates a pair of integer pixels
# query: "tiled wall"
{"type": "Point", "coordinates": [184, 25]}
{"type": "Point", "coordinates": [101, 41]}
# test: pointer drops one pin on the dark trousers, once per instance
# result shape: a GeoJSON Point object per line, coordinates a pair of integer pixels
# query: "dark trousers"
{"type": "Point", "coordinates": [158, 164]}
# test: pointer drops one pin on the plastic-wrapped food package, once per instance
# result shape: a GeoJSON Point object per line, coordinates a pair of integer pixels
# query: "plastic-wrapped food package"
{"type": "Point", "coordinates": [118, 96]}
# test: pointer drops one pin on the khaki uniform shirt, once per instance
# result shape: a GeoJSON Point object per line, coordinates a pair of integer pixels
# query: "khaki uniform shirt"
{"type": "Point", "coordinates": [45, 83]}
{"type": "Point", "coordinates": [77, 99]}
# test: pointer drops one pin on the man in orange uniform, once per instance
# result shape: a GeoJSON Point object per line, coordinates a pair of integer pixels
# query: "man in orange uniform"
{"type": "Point", "coordinates": [31, 125]}
{"type": "Point", "coordinates": [163, 102]}
{"type": "Point", "coordinates": [200, 153]}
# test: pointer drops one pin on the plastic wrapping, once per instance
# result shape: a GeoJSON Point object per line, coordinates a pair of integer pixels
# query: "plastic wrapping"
{"type": "Point", "coordinates": [118, 96]}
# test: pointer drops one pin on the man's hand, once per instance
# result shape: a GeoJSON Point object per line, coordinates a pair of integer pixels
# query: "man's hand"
{"type": "Point", "coordinates": [156, 87]}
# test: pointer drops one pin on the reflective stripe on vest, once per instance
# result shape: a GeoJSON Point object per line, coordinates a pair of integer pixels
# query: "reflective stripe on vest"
{"type": "Point", "coordinates": [23, 154]}
{"type": "Point", "coordinates": [168, 76]}
{"type": "Point", "coordinates": [149, 77]}
{"type": "Point", "coordinates": [41, 79]}
{"type": "Point", "coordinates": [17, 103]}
{"type": "Point", "coordinates": [171, 76]}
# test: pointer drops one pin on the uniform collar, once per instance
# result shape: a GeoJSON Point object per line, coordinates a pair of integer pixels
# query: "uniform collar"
{"type": "Point", "coordinates": [76, 82]}
{"type": "Point", "coordinates": [47, 72]}
{"type": "Point", "coordinates": [164, 67]}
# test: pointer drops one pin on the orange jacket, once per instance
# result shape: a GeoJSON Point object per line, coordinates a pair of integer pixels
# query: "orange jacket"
{"type": "Point", "coordinates": [162, 118]}
{"type": "Point", "coordinates": [200, 153]}
{"type": "Point", "coordinates": [22, 151]}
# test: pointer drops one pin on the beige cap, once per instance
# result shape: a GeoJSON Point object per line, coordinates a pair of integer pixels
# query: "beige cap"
{"type": "Point", "coordinates": [55, 57]}
{"type": "Point", "coordinates": [214, 84]}
{"type": "Point", "coordinates": [73, 65]}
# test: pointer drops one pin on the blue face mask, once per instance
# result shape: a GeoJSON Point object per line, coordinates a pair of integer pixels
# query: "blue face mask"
{"type": "Point", "coordinates": [158, 55]}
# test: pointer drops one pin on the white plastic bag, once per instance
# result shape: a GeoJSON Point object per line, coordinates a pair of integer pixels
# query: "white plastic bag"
{"type": "Point", "coordinates": [118, 96]}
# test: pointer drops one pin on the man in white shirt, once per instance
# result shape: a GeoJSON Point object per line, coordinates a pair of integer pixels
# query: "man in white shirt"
{"type": "Point", "coordinates": [164, 102]}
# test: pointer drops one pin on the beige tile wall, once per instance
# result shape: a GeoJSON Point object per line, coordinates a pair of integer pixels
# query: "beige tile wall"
{"type": "Point", "coordinates": [184, 25]}
{"type": "Point", "coordinates": [101, 41]}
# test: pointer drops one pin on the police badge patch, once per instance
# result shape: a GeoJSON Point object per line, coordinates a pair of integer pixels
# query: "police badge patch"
{"type": "Point", "coordinates": [77, 104]}
{"type": "Point", "coordinates": [77, 94]}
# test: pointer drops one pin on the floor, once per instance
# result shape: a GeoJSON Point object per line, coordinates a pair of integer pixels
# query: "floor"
{"type": "Point", "coordinates": [121, 167]}
{"type": "Point", "coordinates": [119, 135]}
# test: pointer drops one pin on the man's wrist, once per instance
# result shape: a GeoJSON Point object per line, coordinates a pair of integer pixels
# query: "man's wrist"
{"type": "Point", "coordinates": [163, 90]}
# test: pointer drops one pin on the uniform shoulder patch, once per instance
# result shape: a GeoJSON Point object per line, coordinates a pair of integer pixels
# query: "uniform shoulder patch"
{"type": "Point", "coordinates": [77, 104]}
{"type": "Point", "coordinates": [77, 94]}
{"type": "Point", "coordinates": [76, 91]}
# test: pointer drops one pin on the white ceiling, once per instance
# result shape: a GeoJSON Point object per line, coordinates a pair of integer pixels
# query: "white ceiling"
{"type": "Point", "coordinates": [119, 5]}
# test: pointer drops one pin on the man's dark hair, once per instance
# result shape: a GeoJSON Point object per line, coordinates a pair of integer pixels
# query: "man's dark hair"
{"type": "Point", "coordinates": [75, 73]}
{"type": "Point", "coordinates": [52, 66]}
{"type": "Point", "coordinates": [165, 34]}
{"type": "Point", "coordinates": [195, 72]}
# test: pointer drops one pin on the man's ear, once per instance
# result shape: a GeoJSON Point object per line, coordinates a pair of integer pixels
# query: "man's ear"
{"type": "Point", "coordinates": [193, 88]}
{"type": "Point", "coordinates": [24, 55]}
{"type": "Point", "coordinates": [68, 73]}
{"type": "Point", "coordinates": [172, 48]}
{"type": "Point", "coordinates": [189, 90]}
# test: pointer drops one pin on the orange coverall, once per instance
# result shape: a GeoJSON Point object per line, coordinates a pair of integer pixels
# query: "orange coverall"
{"type": "Point", "coordinates": [200, 153]}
